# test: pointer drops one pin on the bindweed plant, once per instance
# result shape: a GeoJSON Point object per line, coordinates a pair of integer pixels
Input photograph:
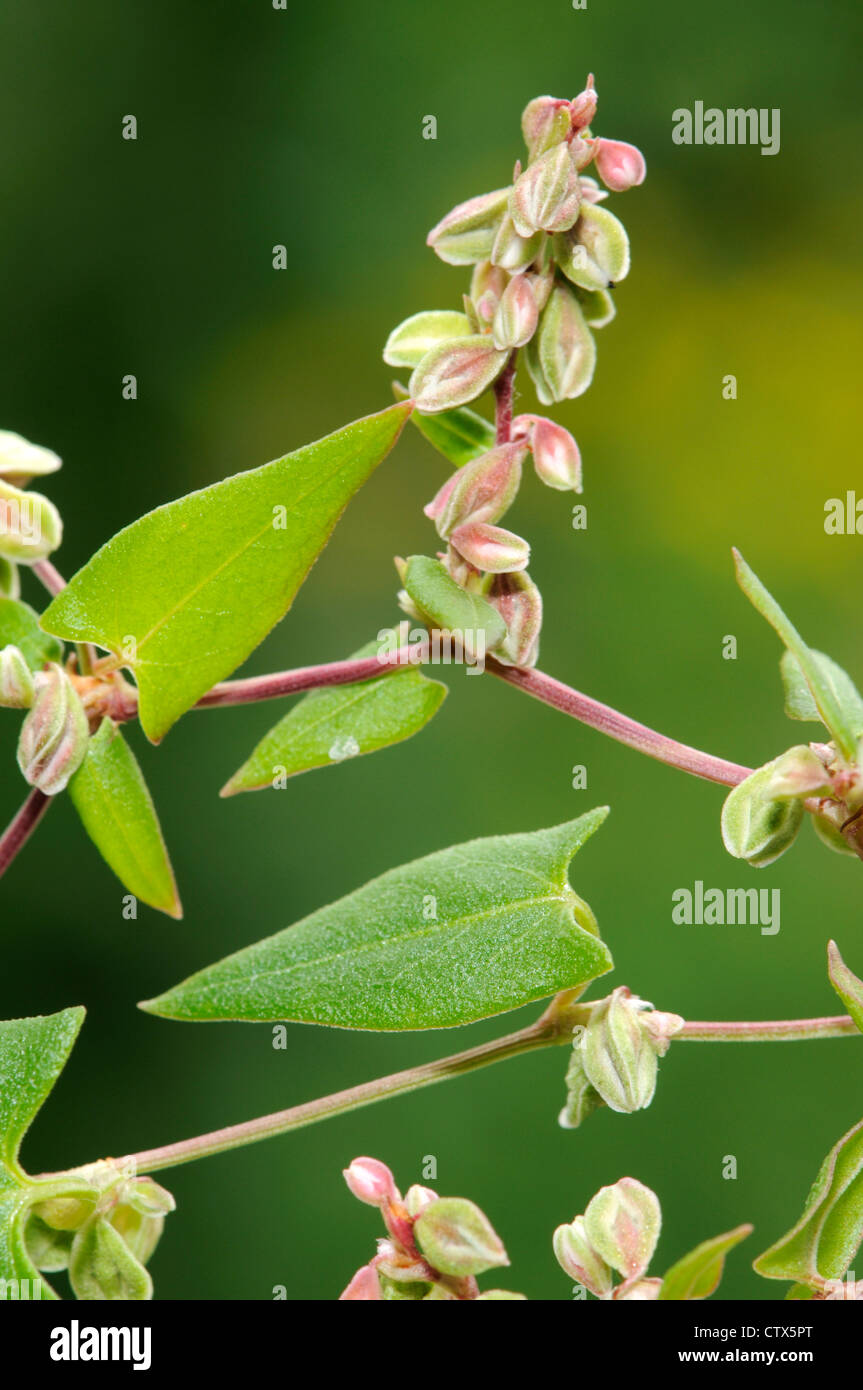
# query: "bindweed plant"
{"type": "Point", "coordinates": [155, 624]}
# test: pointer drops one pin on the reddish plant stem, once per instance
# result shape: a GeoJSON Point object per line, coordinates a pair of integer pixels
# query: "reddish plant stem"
{"type": "Point", "coordinates": [50, 577]}
{"type": "Point", "coordinates": [270, 687]}
{"type": "Point", "coordinates": [19, 830]}
{"type": "Point", "coordinates": [547, 1031]}
{"type": "Point", "coordinates": [771, 1030]}
{"type": "Point", "coordinates": [503, 393]}
{"type": "Point", "coordinates": [617, 726]}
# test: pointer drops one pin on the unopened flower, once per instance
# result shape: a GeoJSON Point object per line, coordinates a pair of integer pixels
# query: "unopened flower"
{"type": "Point", "coordinates": [371, 1182]}
{"type": "Point", "coordinates": [455, 373]}
{"type": "Point", "coordinates": [562, 355]}
{"type": "Point", "coordinates": [54, 735]}
{"type": "Point", "coordinates": [481, 490]}
{"type": "Point", "coordinates": [546, 197]}
{"type": "Point", "coordinates": [16, 680]}
{"type": "Point", "coordinates": [517, 314]}
{"type": "Point", "coordinates": [20, 460]}
{"type": "Point", "coordinates": [577, 1257]}
{"type": "Point", "coordinates": [513, 252]}
{"type": "Point", "coordinates": [466, 234]}
{"type": "Point", "coordinates": [556, 455]}
{"type": "Point", "coordinates": [620, 1049]}
{"type": "Point", "coordinates": [490, 548]}
{"type": "Point", "coordinates": [582, 108]}
{"type": "Point", "coordinates": [545, 121]}
{"type": "Point", "coordinates": [519, 603]}
{"type": "Point", "coordinates": [619, 165]}
{"type": "Point", "coordinates": [622, 1223]}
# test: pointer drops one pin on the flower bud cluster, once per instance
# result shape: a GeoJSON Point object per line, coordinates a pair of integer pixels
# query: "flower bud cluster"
{"type": "Point", "coordinates": [544, 257]}
{"type": "Point", "coordinates": [102, 1227]}
{"type": "Point", "coordinates": [617, 1234]}
{"type": "Point", "coordinates": [434, 1247]}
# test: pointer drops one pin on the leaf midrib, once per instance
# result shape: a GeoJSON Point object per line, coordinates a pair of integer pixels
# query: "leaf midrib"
{"type": "Point", "coordinates": [439, 928]}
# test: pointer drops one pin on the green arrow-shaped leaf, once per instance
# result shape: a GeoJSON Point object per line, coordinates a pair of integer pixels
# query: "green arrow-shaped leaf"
{"type": "Point", "coordinates": [184, 594]}
{"type": "Point", "coordinates": [117, 812]}
{"type": "Point", "coordinates": [825, 1240]}
{"type": "Point", "coordinates": [460, 435]}
{"type": "Point", "coordinates": [827, 701]}
{"type": "Point", "coordinates": [462, 934]}
{"type": "Point", "coordinates": [19, 627]}
{"type": "Point", "coordinates": [846, 984]}
{"type": "Point", "coordinates": [33, 1052]}
{"type": "Point", "coordinates": [799, 700]}
{"type": "Point", "coordinates": [698, 1273]}
{"type": "Point", "coordinates": [327, 727]}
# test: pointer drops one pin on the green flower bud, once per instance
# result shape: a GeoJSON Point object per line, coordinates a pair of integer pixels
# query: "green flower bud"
{"type": "Point", "coordinates": [756, 826]}
{"type": "Point", "coordinates": [577, 1257]}
{"type": "Point", "coordinates": [565, 354]}
{"type": "Point", "coordinates": [499, 1296]}
{"type": "Point", "coordinates": [16, 680]}
{"type": "Point", "coordinates": [10, 584]}
{"type": "Point", "coordinates": [102, 1267]}
{"type": "Point", "coordinates": [20, 460]}
{"type": "Point", "coordinates": [595, 253]}
{"type": "Point", "coordinates": [517, 315]}
{"type": "Point", "coordinates": [545, 121]}
{"type": "Point", "coordinates": [30, 525]}
{"type": "Point", "coordinates": [466, 235]}
{"type": "Point", "coordinates": [408, 344]}
{"type": "Point", "coordinates": [54, 735]}
{"type": "Point", "coordinates": [620, 1047]}
{"type": "Point", "coordinates": [454, 373]}
{"type": "Point", "coordinates": [513, 252]}
{"type": "Point", "coordinates": [457, 1238]}
{"type": "Point", "coordinates": [546, 197]}
{"type": "Point", "coordinates": [622, 1223]}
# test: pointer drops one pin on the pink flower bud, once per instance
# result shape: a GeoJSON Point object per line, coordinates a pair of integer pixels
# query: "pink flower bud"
{"type": "Point", "coordinates": [482, 490]}
{"type": "Point", "coordinates": [622, 1223]}
{"type": "Point", "coordinates": [454, 373]}
{"type": "Point", "coordinates": [371, 1182]}
{"type": "Point", "coordinates": [582, 108]}
{"type": "Point", "coordinates": [365, 1287]}
{"type": "Point", "coordinates": [519, 603]}
{"type": "Point", "coordinates": [491, 548]}
{"type": "Point", "coordinates": [546, 198]}
{"type": "Point", "coordinates": [545, 122]}
{"type": "Point", "coordinates": [55, 734]}
{"type": "Point", "coordinates": [517, 315]}
{"type": "Point", "coordinates": [556, 456]}
{"type": "Point", "coordinates": [620, 166]}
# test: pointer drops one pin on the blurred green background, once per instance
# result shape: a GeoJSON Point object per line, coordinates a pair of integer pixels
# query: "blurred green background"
{"type": "Point", "coordinates": [303, 127]}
